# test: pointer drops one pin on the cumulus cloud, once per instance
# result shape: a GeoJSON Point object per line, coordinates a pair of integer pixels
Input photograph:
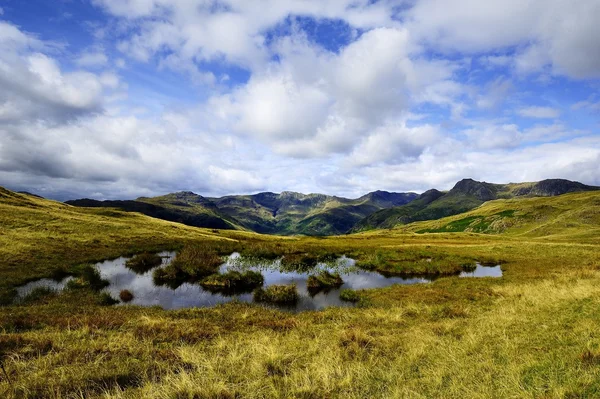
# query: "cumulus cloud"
{"type": "Point", "coordinates": [419, 94]}
{"type": "Point", "coordinates": [54, 128]}
{"type": "Point", "coordinates": [231, 29]}
{"type": "Point", "coordinates": [539, 112]}
{"type": "Point", "coordinates": [313, 102]}
{"type": "Point", "coordinates": [558, 33]}
{"type": "Point", "coordinates": [92, 59]}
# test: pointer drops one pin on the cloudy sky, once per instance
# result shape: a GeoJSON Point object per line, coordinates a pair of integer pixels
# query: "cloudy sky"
{"type": "Point", "coordinates": [122, 98]}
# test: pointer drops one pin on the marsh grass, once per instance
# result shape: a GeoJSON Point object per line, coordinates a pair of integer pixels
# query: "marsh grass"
{"type": "Point", "coordinates": [105, 299]}
{"type": "Point", "coordinates": [324, 280]}
{"type": "Point", "coordinates": [233, 281]}
{"type": "Point", "coordinates": [349, 295]}
{"type": "Point", "coordinates": [280, 294]}
{"type": "Point", "coordinates": [143, 262]}
{"type": "Point", "coordinates": [38, 294]}
{"type": "Point", "coordinates": [192, 263]}
{"type": "Point", "coordinates": [87, 276]}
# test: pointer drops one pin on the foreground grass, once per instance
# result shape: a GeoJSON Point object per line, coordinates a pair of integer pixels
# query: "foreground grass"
{"type": "Point", "coordinates": [533, 333]}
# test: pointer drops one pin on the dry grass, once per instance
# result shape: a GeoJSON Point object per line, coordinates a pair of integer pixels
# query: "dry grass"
{"type": "Point", "coordinates": [533, 333]}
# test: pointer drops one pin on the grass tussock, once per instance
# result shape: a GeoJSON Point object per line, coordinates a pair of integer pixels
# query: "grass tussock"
{"type": "Point", "coordinates": [126, 296]}
{"type": "Point", "coordinates": [143, 262]}
{"type": "Point", "coordinates": [192, 263]}
{"type": "Point", "coordinates": [233, 281]}
{"type": "Point", "coordinates": [87, 276]}
{"type": "Point", "coordinates": [349, 295]}
{"type": "Point", "coordinates": [324, 280]}
{"type": "Point", "coordinates": [281, 294]}
{"type": "Point", "coordinates": [38, 294]}
{"type": "Point", "coordinates": [105, 299]}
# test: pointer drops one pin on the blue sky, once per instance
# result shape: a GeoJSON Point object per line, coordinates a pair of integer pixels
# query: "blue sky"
{"type": "Point", "coordinates": [123, 98]}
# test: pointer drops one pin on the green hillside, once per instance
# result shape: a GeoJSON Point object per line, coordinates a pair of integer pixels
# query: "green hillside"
{"type": "Point", "coordinates": [466, 195]}
{"type": "Point", "coordinates": [42, 238]}
{"type": "Point", "coordinates": [287, 213]}
{"type": "Point", "coordinates": [573, 216]}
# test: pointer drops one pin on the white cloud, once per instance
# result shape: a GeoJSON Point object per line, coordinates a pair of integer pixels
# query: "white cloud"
{"type": "Point", "coordinates": [395, 143]}
{"type": "Point", "coordinates": [549, 32]}
{"type": "Point", "coordinates": [590, 105]}
{"type": "Point", "coordinates": [495, 93]}
{"type": "Point", "coordinates": [314, 103]}
{"type": "Point", "coordinates": [235, 30]}
{"type": "Point", "coordinates": [398, 108]}
{"type": "Point", "coordinates": [539, 112]}
{"type": "Point", "coordinates": [92, 59]}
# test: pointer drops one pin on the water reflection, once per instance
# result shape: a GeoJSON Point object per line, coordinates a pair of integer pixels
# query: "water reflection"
{"type": "Point", "coordinates": [484, 271]}
{"type": "Point", "coordinates": [55, 285]}
{"type": "Point", "coordinates": [187, 295]}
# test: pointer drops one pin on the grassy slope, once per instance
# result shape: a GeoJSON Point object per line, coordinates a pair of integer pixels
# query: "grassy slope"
{"type": "Point", "coordinates": [292, 213]}
{"type": "Point", "coordinates": [465, 196]}
{"type": "Point", "coordinates": [39, 237]}
{"type": "Point", "coordinates": [573, 216]}
{"type": "Point", "coordinates": [388, 218]}
{"type": "Point", "coordinates": [533, 333]}
{"type": "Point", "coordinates": [189, 204]}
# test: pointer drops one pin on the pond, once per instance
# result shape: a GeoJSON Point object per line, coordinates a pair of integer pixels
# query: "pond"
{"type": "Point", "coordinates": [188, 295]}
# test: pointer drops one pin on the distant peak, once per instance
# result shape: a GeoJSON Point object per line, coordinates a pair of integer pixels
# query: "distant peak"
{"type": "Point", "coordinates": [481, 190]}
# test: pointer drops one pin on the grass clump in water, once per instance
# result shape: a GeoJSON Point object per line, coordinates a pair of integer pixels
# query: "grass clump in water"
{"type": "Point", "coordinates": [233, 280]}
{"type": "Point", "coordinates": [324, 280]}
{"type": "Point", "coordinates": [299, 262]}
{"type": "Point", "coordinates": [126, 296]}
{"type": "Point", "coordinates": [469, 267]}
{"type": "Point", "coordinates": [143, 262]}
{"type": "Point", "coordinates": [38, 294]}
{"type": "Point", "coordinates": [87, 277]}
{"type": "Point", "coordinates": [191, 264]}
{"type": "Point", "coordinates": [284, 294]}
{"type": "Point", "coordinates": [349, 295]}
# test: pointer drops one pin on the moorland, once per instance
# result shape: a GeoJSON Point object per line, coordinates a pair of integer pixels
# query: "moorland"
{"type": "Point", "coordinates": [531, 333]}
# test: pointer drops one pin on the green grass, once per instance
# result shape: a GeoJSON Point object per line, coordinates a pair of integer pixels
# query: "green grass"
{"type": "Point", "coordinates": [349, 295]}
{"type": "Point", "coordinates": [324, 280]}
{"type": "Point", "coordinates": [143, 262]}
{"type": "Point", "coordinates": [572, 217]}
{"type": "Point", "coordinates": [531, 333]}
{"type": "Point", "coordinates": [280, 294]}
{"type": "Point", "coordinates": [233, 281]}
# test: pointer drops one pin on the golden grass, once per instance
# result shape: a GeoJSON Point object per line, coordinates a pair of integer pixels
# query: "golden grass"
{"type": "Point", "coordinates": [532, 333]}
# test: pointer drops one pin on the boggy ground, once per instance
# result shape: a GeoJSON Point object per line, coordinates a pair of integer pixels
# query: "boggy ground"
{"type": "Point", "coordinates": [532, 333]}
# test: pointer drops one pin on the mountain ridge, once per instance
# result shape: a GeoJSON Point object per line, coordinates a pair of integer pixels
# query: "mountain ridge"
{"type": "Point", "coordinates": [314, 214]}
{"type": "Point", "coordinates": [467, 194]}
{"type": "Point", "coordinates": [286, 213]}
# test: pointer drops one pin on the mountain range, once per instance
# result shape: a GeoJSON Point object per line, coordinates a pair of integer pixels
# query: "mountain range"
{"type": "Point", "coordinates": [291, 213]}
{"type": "Point", "coordinates": [286, 213]}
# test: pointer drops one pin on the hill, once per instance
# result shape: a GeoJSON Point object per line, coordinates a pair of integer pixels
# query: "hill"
{"type": "Point", "coordinates": [575, 216]}
{"type": "Point", "coordinates": [466, 195]}
{"type": "Point", "coordinates": [197, 216]}
{"type": "Point", "coordinates": [37, 231]}
{"type": "Point", "coordinates": [287, 213]}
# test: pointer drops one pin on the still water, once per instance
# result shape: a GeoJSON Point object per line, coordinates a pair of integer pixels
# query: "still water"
{"type": "Point", "coordinates": [188, 295]}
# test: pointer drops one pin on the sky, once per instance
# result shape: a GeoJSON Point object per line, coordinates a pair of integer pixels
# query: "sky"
{"type": "Point", "coordinates": [115, 99]}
